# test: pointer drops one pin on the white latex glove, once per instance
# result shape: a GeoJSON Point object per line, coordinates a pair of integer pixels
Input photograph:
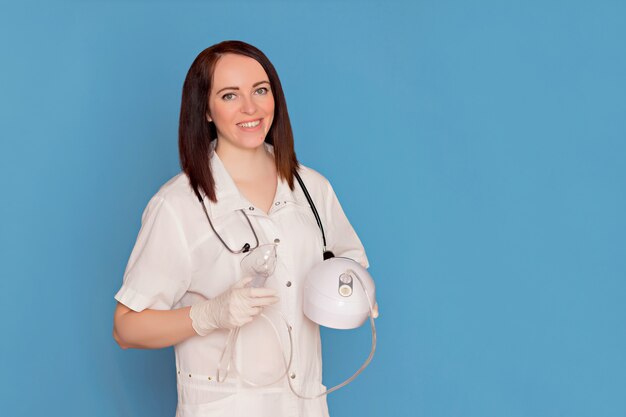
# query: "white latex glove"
{"type": "Point", "coordinates": [233, 308]}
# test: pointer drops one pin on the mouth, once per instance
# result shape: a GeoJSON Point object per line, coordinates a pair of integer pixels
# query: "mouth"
{"type": "Point", "coordinates": [250, 125]}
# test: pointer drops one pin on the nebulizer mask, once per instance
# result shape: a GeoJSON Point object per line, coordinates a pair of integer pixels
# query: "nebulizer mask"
{"type": "Point", "coordinates": [339, 293]}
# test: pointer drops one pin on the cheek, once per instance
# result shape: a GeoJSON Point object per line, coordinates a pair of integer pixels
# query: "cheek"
{"type": "Point", "coordinates": [269, 108]}
{"type": "Point", "coordinates": [219, 112]}
{"type": "Point", "coordinates": [211, 109]}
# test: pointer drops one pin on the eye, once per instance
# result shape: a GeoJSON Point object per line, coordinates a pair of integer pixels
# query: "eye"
{"type": "Point", "coordinates": [262, 91]}
{"type": "Point", "coordinates": [228, 96]}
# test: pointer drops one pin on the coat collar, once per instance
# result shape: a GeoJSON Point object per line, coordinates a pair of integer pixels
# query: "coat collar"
{"type": "Point", "coordinates": [229, 199]}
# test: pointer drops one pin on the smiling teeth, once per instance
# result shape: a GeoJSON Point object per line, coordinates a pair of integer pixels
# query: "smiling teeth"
{"type": "Point", "coordinates": [249, 124]}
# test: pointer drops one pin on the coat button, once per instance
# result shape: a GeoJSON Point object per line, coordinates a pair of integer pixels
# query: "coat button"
{"type": "Point", "coordinates": [288, 283]}
{"type": "Point", "coordinates": [277, 203]}
{"type": "Point", "coordinates": [277, 240]}
{"type": "Point", "coordinates": [250, 208]}
{"type": "Point", "coordinates": [292, 375]}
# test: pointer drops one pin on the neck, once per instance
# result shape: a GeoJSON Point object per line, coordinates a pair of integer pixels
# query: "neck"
{"type": "Point", "coordinates": [242, 163]}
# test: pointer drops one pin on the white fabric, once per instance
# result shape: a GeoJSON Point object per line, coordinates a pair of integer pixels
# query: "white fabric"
{"type": "Point", "coordinates": [178, 261]}
{"type": "Point", "coordinates": [233, 308]}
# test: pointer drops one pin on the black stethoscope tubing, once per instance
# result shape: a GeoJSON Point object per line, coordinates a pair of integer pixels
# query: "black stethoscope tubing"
{"type": "Point", "coordinates": [246, 247]}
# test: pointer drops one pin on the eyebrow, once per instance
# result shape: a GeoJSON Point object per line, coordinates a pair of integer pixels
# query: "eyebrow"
{"type": "Point", "coordinates": [237, 88]}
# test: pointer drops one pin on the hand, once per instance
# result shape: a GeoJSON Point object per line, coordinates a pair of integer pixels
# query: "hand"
{"type": "Point", "coordinates": [238, 305]}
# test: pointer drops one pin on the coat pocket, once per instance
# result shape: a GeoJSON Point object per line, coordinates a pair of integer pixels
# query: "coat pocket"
{"type": "Point", "coordinates": [203, 396]}
{"type": "Point", "coordinates": [224, 406]}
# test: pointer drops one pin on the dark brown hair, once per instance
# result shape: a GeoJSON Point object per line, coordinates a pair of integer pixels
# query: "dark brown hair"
{"type": "Point", "coordinates": [195, 133]}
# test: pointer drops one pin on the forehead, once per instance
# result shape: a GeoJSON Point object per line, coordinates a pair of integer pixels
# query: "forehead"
{"type": "Point", "coordinates": [233, 70]}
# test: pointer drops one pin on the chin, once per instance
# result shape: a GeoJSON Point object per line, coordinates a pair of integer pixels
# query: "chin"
{"type": "Point", "coordinates": [252, 143]}
{"type": "Point", "coordinates": [247, 142]}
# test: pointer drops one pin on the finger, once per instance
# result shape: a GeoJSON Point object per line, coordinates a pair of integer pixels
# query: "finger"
{"type": "Point", "coordinates": [243, 321]}
{"type": "Point", "coordinates": [375, 310]}
{"type": "Point", "coordinates": [264, 301]}
{"type": "Point", "coordinates": [254, 311]}
{"type": "Point", "coordinates": [242, 283]}
{"type": "Point", "coordinates": [262, 292]}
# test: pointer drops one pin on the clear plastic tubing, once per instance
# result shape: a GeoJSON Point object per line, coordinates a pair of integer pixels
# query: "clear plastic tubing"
{"type": "Point", "coordinates": [232, 340]}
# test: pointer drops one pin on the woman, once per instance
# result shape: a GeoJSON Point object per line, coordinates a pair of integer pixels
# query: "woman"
{"type": "Point", "coordinates": [183, 285]}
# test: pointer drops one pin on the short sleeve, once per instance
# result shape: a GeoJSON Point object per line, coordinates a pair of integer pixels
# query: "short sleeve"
{"type": "Point", "coordinates": [158, 272]}
{"type": "Point", "coordinates": [341, 239]}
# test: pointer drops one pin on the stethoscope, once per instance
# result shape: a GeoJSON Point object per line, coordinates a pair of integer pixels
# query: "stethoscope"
{"type": "Point", "coordinates": [247, 247]}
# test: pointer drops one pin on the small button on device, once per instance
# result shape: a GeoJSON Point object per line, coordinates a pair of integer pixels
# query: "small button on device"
{"type": "Point", "coordinates": [277, 240]}
{"type": "Point", "coordinates": [292, 375]}
{"type": "Point", "coordinates": [345, 290]}
{"type": "Point", "coordinates": [288, 283]}
{"type": "Point", "coordinates": [345, 285]}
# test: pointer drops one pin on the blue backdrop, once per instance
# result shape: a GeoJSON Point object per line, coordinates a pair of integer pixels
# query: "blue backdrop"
{"type": "Point", "coordinates": [478, 148]}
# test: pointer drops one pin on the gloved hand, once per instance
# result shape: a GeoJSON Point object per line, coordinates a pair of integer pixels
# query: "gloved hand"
{"type": "Point", "coordinates": [233, 308]}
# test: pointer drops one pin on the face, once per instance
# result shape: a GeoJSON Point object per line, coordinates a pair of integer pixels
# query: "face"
{"type": "Point", "coordinates": [241, 103]}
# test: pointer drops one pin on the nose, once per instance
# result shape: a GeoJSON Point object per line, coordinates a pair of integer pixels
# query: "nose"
{"type": "Point", "coordinates": [248, 105]}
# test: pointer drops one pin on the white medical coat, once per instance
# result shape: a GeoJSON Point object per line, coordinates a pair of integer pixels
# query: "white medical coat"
{"type": "Point", "coordinates": [177, 261]}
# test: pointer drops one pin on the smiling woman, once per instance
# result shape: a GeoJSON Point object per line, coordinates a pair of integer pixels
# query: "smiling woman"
{"type": "Point", "coordinates": [184, 284]}
{"type": "Point", "coordinates": [230, 83]}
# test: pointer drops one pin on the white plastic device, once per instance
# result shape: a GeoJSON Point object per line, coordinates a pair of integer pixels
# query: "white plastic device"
{"type": "Point", "coordinates": [339, 293]}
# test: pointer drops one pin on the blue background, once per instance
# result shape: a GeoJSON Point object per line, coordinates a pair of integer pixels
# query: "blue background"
{"type": "Point", "coordinates": [478, 148]}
